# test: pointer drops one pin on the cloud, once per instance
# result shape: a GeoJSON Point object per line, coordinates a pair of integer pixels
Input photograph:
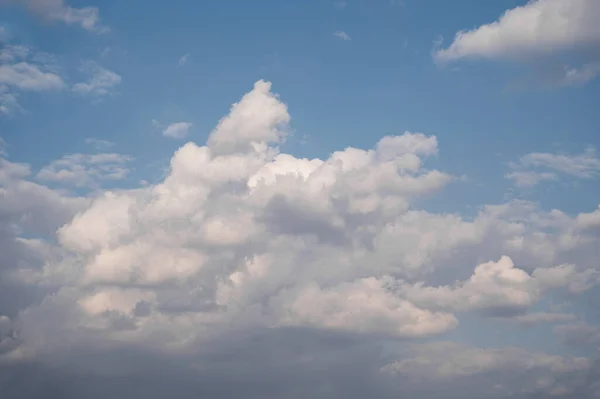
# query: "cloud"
{"type": "Point", "coordinates": [259, 118]}
{"type": "Point", "coordinates": [532, 373]}
{"type": "Point", "coordinates": [574, 76]}
{"type": "Point", "coordinates": [99, 144]}
{"type": "Point", "coordinates": [542, 317]}
{"type": "Point", "coordinates": [27, 211]}
{"type": "Point", "coordinates": [584, 165]}
{"type": "Point", "coordinates": [363, 306]}
{"type": "Point", "coordinates": [530, 178]}
{"type": "Point", "coordinates": [25, 76]}
{"type": "Point", "coordinates": [56, 10]}
{"type": "Point", "coordinates": [86, 170]}
{"type": "Point", "coordinates": [8, 101]}
{"type": "Point", "coordinates": [579, 334]}
{"type": "Point", "coordinates": [183, 60]}
{"type": "Point", "coordinates": [537, 33]}
{"type": "Point", "coordinates": [177, 130]}
{"type": "Point", "coordinates": [251, 272]}
{"type": "Point", "coordinates": [101, 82]}
{"type": "Point", "coordinates": [536, 28]}
{"type": "Point", "coordinates": [537, 167]}
{"type": "Point", "coordinates": [22, 69]}
{"type": "Point", "coordinates": [342, 35]}
{"type": "Point", "coordinates": [500, 289]}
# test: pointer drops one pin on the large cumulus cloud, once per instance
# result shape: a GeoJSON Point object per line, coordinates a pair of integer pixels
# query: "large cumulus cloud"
{"type": "Point", "coordinates": [248, 271]}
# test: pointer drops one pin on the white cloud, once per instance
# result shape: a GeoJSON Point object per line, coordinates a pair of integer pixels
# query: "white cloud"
{"type": "Point", "coordinates": [10, 170]}
{"type": "Point", "coordinates": [239, 192]}
{"type": "Point", "coordinates": [184, 59]}
{"type": "Point", "coordinates": [342, 35]}
{"type": "Point", "coordinates": [177, 130]}
{"type": "Point", "coordinates": [362, 306]}
{"type": "Point", "coordinates": [501, 289]}
{"type": "Point", "coordinates": [83, 170]}
{"type": "Point", "coordinates": [258, 118]}
{"type": "Point", "coordinates": [34, 208]}
{"type": "Point", "coordinates": [244, 248]}
{"type": "Point", "coordinates": [588, 220]}
{"type": "Point", "coordinates": [541, 32]}
{"type": "Point", "coordinates": [102, 81]}
{"type": "Point", "coordinates": [29, 77]}
{"type": "Point", "coordinates": [536, 167]}
{"type": "Point", "coordinates": [530, 178]}
{"type": "Point", "coordinates": [21, 69]}
{"type": "Point", "coordinates": [56, 10]}
{"type": "Point", "coordinates": [536, 28]}
{"type": "Point", "coordinates": [583, 165]}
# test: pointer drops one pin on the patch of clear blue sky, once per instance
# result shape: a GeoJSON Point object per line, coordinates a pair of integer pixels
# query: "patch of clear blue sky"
{"type": "Point", "coordinates": [339, 93]}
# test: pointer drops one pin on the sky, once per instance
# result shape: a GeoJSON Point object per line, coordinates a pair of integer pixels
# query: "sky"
{"type": "Point", "coordinates": [291, 199]}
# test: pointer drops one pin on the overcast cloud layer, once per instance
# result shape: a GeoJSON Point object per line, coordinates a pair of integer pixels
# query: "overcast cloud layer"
{"type": "Point", "coordinates": [249, 272]}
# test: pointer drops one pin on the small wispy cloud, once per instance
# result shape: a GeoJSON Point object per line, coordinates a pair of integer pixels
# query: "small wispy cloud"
{"type": "Point", "coordinates": [99, 144]}
{"type": "Point", "coordinates": [101, 81]}
{"type": "Point", "coordinates": [536, 167]}
{"type": "Point", "coordinates": [177, 130]}
{"type": "Point", "coordinates": [579, 76]}
{"type": "Point", "coordinates": [106, 51]}
{"type": "Point", "coordinates": [86, 170]}
{"type": "Point", "coordinates": [530, 178]}
{"type": "Point", "coordinates": [183, 60]}
{"type": "Point", "coordinates": [342, 35]}
{"type": "Point", "coordinates": [23, 69]}
{"type": "Point", "coordinates": [56, 10]}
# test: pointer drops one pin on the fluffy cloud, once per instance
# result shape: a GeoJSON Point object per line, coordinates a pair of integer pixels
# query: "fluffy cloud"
{"type": "Point", "coordinates": [499, 288]}
{"type": "Point", "coordinates": [27, 211]}
{"type": "Point", "coordinates": [246, 261]}
{"type": "Point", "coordinates": [233, 219]}
{"type": "Point", "coordinates": [363, 306]}
{"type": "Point", "coordinates": [259, 118]}
{"type": "Point", "coordinates": [538, 29]}
{"type": "Point", "coordinates": [56, 10]}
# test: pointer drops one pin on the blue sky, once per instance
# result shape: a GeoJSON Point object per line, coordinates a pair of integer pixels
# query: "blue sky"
{"type": "Point", "coordinates": [117, 123]}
